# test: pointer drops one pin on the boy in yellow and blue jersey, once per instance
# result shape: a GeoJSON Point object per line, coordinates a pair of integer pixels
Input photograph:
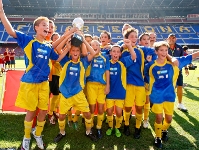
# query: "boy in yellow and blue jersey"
{"type": "Point", "coordinates": [163, 76]}
{"type": "Point", "coordinates": [117, 92]}
{"type": "Point", "coordinates": [97, 86]}
{"type": "Point", "coordinates": [105, 39]}
{"type": "Point", "coordinates": [34, 90]}
{"type": "Point", "coordinates": [135, 90]}
{"type": "Point", "coordinates": [72, 81]}
{"type": "Point", "coordinates": [144, 40]}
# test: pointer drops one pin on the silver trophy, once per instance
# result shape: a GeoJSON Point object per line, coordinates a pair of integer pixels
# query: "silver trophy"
{"type": "Point", "coordinates": [77, 39]}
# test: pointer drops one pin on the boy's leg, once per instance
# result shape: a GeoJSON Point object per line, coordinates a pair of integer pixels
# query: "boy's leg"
{"type": "Point", "coordinates": [119, 104]}
{"type": "Point", "coordinates": [100, 118]}
{"type": "Point", "coordinates": [110, 108]}
{"type": "Point", "coordinates": [146, 112]}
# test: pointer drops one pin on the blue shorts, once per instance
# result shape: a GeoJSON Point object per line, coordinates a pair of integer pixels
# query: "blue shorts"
{"type": "Point", "coordinates": [180, 79]}
{"type": "Point", "coordinates": [12, 62]}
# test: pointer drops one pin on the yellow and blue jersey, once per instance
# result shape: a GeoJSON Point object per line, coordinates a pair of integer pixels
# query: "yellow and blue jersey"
{"type": "Point", "coordinates": [37, 55]}
{"type": "Point", "coordinates": [118, 78]}
{"type": "Point", "coordinates": [104, 51]}
{"type": "Point", "coordinates": [96, 70]}
{"type": "Point", "coordinates": [162, 79]}
{"type": "Point", "coordinates": [72, 78]}
{"type": "Point", "coordinates": [135, 72]}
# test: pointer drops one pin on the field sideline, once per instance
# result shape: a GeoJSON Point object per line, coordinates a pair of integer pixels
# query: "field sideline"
{"type": "Point", "coordinates": [183, 133]}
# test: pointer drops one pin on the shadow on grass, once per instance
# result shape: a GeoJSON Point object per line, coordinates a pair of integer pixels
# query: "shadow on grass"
{"type": "Point", "coordinates": [191, 95]}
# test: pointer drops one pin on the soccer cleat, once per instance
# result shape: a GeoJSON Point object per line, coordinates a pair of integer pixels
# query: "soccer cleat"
{"type": "Point", "coordinates": [182, 107]}
{"type": "Point", "coordinates": [91, 136]}
{"type": "Point", "coordinates": [39, 140]}
{"type": "Point", "coordinates": [25, 144]}
{"type": "Point", "coordinates": [59, 137]}
{"type": "Point", "coordinates": [109, 131]}
{"type": "Point", "coordinates": [126, 130]}
{"type": "Point", "coordinates": [146, 123]}
{"type": "Point", "coordinates": [99, 133]}
{"type": "Point", "coordinates": [164, 135]}
{"type": "Point", "coordinates": [75, 125]}
{"type": "Point", "coordinates": [137, 133]}
{"type": "Point", "coordinates": [117, 132]}
{"type": "Point", "coordinates": [158, 142]}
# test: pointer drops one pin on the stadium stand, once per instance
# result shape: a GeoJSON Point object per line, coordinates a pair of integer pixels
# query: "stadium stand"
{"type": "Point", "coordinates": [186, 34]}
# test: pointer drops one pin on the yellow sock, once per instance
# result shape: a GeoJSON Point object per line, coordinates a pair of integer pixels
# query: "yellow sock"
{"type": "Point", "coordinates": [62, 125]}
{"type": "Point", "coordinates": [146, 111]}
{"type": "Point", "coordinates": [100, 119]}
{"type": "Point", "coordinates": [158, 129]}
{"type": "Point", "coordinates": [69, 113]}
{"type": "Point", "coordinates": [39, 128]}
{"type": "Point", "coordinates": [76, 116]}
{"type": "Point", "coordinates": [165, 125]}
{"type": "Point", "coordinates": [27, 128]}
{"type": "Point", "coordinates": [88, 124]}
{"type": "Point", "coordinates": [92, 117]}
{"type": "Point", "coordinates": [138, 120]}
{"type": "Point", "coordinates": [126, 119]}
{"type": "Point", "coordinates": [118, 122]}
{"type": "Point", "coordinates": [53, 103]}
{"type": "Point", "coordinates": [110, 121]}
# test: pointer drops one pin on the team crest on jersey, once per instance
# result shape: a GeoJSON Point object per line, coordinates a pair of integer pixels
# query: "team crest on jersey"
{"type": "Point", "coordinates": [98, 61]}
{"type": "Point", "coordinates": [113, 69]}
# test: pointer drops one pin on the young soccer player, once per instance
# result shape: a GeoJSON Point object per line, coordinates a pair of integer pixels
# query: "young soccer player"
{"type": "Point", "coordinates": [34, 90]}
{"type": "Point", "coordinates": [88, 38]}
{"type": "Point", "coordinates": [54, 84]}
{"type": "Point", "coordinates": [72, 81]}
{"type": "Point", "coordinates": [118, 85]}
{"type": "Point", "coordinates": [152, 38]}
{"type": "Point", "coordinates": [105, 39]}
{"type": "Point", "coordinates": [162, 81]}
{"type": "Point", "coordinates": [135, 90]}
{"type": "Point", "coordinates": [98, 84]}
{"type": "Point", "coordinates": [144, 40]}
{"type": "Point", "coordinates": [7, 59]}
{"type": "Point", "coordinates": [12, 59]}
{"type": "Point", "coordinates": [1, 65]}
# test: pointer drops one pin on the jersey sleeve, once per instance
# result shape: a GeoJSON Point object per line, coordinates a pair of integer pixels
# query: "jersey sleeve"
{"type": "Point", "coordinates": [107, 67]}
{"type": "Point", "coordinates": [53, 55]}
{"type": "Point", "coordinates": [184, 60]}
{"type": "Point", "coordinates": [22, 39]}
{"type": "Point", "coordinates": [146, 72]}
{"type": "Point", "coordinates": [64, 60]}
{"type": "Point", "coordinates": [127, 61]}
{"type": "Point", "coordinates": [85, 62]}
{"type": "Point", "coordinates": [125, 53]}
{"type": "Point", "coordinates": [149, 52]}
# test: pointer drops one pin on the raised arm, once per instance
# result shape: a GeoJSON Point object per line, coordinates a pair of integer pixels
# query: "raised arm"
{"type": "Point", "coordinates": [65, 51]}
{"type": "Point", "coordinates": [9, 29]}
{"type": "Point", "coordinates": [127, 43]}
{"type": "Point", "coordinates": [90, 49]}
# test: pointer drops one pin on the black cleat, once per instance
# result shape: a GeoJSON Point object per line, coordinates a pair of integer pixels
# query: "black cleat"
{"type": "Point", "coordinates": [91, 136]}
{"type": "Point", "coordinates": [137, 133]}
{"type": "Point", "coordinates": [126, 130]}
{"type": "Point", "coordinates": [59, 137]}
{"type": "Point", "coordinates": [164, 136]}
{"type": "Point", "coordinates": [99, 133]}
{"type": "Point", "coordinates": [158, 142]}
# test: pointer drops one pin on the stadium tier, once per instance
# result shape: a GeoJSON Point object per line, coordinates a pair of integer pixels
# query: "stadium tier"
{"type": "Point", "coordinates": [186, 34]}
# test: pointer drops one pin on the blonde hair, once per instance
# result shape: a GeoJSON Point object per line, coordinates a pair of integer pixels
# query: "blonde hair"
{"type": "Point", "coordinates": [39, 20]}
{"type": "Point", "coordinates": [157, 45]}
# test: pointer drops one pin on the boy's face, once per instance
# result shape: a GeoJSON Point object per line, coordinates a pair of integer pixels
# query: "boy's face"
{"type": "Point", "coordinates": [152, 38]}
{"type": "Point", "coordinates": [95, 45]}
{"type": "Point", "coordinates": [51, 29]}
{"type": "Point", "coordinates": [88, 39]}
{"type": "Point", "coordinates": [133, 38]}
{"type": "Point", "coordinates": [104, 39]}
{"type": "Point", "coordinates": [115, 53]}
{"type": "Point", "coordinates": [75, 53]}
{"type": "Point", "coordinates": [43, 28]}
{"type": "Point", "coordinates": [55, 37]}
{"type": "Point", "coordinates": [162, 52]}
{"type": "Point", "coordinates": [145, 41]}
